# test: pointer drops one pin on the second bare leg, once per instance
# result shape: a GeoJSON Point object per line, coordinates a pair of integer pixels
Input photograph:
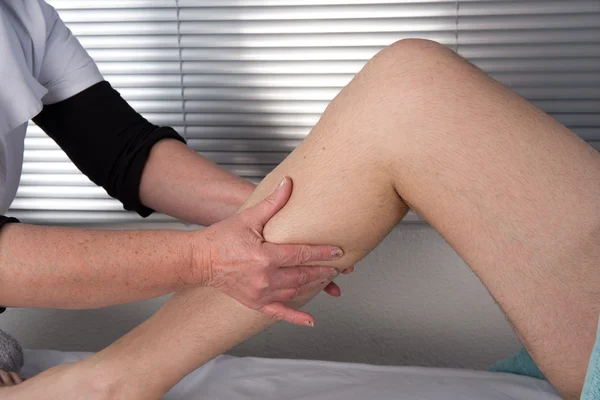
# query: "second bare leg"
{"type": "Point", "coordinates": [515, 193]}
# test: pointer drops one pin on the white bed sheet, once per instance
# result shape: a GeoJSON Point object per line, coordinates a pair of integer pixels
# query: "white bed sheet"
{"type": "Point", "coordinates": [232, 378]}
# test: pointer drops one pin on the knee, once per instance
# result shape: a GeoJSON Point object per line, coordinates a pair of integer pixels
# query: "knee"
{"type": "Point", "coordinates": [416, 56]}
{"type": "Point", "coordinates": [415, 48]}
{"type": "Point", "coordinates": [419, 67]}
{"type": "Point", "coordinates": [413, 79]}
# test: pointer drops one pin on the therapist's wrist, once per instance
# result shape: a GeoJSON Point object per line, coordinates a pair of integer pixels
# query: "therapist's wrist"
{"type": "Point", "coordinates": [238, 192]}
{"type": "Point", "coordinates": [196, 260]}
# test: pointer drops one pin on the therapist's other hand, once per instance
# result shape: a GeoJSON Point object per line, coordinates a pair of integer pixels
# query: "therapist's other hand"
{"type": "Point", "coordinates": [259, 274]}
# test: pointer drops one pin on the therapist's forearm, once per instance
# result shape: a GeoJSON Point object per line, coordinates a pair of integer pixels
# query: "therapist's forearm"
{"type": "Point", "coordinates": [178, 182]}
{"type": "Point", "coordinates": [76, 268]}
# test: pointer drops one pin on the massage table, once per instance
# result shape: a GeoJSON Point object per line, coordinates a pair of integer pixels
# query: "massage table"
{"type": "Point", "coordinates": [248, 378]}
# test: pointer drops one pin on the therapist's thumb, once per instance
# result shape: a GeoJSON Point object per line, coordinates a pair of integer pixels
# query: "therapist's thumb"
{"type": "Point", "coordinates": [261, 213]}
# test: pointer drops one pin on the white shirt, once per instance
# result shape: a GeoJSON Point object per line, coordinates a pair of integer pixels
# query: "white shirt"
{"type": "Point", "coordinates": [41, 62]}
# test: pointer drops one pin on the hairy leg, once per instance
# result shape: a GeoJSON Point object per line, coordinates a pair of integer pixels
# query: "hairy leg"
{"type": "Point", "coordinates": [514, 192]}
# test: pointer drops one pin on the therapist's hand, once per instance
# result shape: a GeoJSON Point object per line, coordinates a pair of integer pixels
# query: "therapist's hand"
{"type": "Point", "coordinates": [261, 275]}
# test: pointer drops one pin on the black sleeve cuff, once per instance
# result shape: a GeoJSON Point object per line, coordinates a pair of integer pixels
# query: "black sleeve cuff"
{"type": "Point", "coordinates": [6, 220]}
{"type": "Point", "coordinates": [106, 139]}
{"type": "Point", "coordinates": [129, 190]}
{"type": "Point", "coordinates": [3, 221]}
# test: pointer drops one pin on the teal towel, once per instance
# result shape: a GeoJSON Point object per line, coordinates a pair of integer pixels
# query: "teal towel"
{"type": "Point", "coordinates": [591, 388]}
{"type": "Point", "coordinates": [522, 364]}
{"type": "Point", "coordinates": [519, 364]}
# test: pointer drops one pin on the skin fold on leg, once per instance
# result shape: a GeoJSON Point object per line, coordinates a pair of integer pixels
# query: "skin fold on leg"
{"type": "Point", "coordinates": [511, 190]}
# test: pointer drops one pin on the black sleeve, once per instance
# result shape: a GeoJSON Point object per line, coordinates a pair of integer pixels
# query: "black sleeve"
{"type": "Point", "coordinates": [3, 221]}
{"type": "Point", "coordinates": [106, 139]}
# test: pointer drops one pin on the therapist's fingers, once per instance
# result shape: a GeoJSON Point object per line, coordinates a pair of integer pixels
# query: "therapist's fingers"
{"type": "Point", "coordinates": [16, 378]}
{"type": "Point", "coordinates": [300, 277]}
{"type": "Point", "coordinates": [290, 293]}
{"type": "Point", "coordinates": [290, 255]}
{"type": "Point", "coordinates": [281, 312]}
{"type": "Point", "coordinates": [5, 378]}
{"type": "Point", "coordinates": [333, 290]}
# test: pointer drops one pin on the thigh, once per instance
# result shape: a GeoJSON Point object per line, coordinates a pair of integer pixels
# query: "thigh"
{"type": "Point", "coordinates": [513, 191]}
{"type": "Point", "coordinates": [343, 195]}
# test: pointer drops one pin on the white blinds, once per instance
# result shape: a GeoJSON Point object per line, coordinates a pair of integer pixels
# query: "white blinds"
{"type": "Point", "coordinates": [245, 80]}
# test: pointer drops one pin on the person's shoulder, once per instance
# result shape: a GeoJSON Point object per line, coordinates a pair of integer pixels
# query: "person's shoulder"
{"type": "Point", "coordinates": [49, 13]}
{"type": "Point", "coordinates": [27, 9]}
{"type": "Point", "coordinates": [33, 18]}
{"type": "Point", "coordinates": [23, 34]}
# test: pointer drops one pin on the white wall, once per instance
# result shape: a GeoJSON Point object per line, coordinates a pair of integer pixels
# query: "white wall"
{"type": "Point", "coordinates": [412, 301]}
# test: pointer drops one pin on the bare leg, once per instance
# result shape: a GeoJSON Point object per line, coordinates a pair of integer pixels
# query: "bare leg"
{"type": "Point", "coordinates": [514, 192]}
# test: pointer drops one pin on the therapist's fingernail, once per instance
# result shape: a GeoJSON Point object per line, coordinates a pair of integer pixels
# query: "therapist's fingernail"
{"type": "Point", "coordinates": [337, 253]}
{"type": "Point", "coordinates": [282, 183]}
{"type": "Point", "coordinates": [310, 323]}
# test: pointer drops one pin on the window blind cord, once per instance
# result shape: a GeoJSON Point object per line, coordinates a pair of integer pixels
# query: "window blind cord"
{"type": "Point", "coordinates": [181, 80]}
{"type": "Point", "coordinates": [456, 26]}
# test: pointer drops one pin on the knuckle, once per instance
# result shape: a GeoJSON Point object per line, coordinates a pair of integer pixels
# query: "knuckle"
{"type": "Point", "coordinates": [270, 199]}
{"type": "Point", "coordinates": [261, 283]}
{"type": "Point", "coordinates": [303, 278]}
{"type": "Point", "coordinates": [278, 315]}
{"type": "Point", "coordinates": [304, 254]}
{"type": "Point", "coordinates": [262, 260]}
{"type": "Point", "coordinates": [266, 205]}
{"type": "Point", "coordinates": [255, 294]}
{"type": "Point", "coordinates": [257, 297]}
{"type": "Point", "coordinates": [264, 282]}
